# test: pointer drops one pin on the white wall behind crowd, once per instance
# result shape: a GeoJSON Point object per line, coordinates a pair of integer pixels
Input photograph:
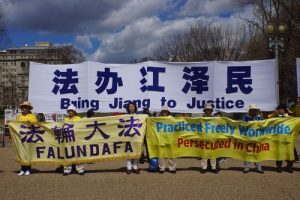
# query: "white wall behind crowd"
{"type": "Point", "coordinates": [184, 87]}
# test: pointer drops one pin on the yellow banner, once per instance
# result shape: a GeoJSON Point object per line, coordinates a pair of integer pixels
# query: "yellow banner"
{"type": "Point", "coordinates": [82, 141]}
{"type": "Point", "coordinates": [271, 139]}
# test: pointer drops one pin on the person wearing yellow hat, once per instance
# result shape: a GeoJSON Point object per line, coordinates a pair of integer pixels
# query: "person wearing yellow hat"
{"type": "Point", "coordinates": [162, 161]}
{"type": "Point", "coordinates": [208, 112]}
{"type": "Point", "coordinates": [28, 117]}
{"type": "Point", "coordinates": [72, 116]}
{"type": "Point", "coordinates": [253, 115]}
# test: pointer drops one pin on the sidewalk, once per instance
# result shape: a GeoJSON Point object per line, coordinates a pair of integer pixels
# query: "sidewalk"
{"type": "Point", "coordinates": [108, 180]}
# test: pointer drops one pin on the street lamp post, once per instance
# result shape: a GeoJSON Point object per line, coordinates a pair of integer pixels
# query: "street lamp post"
{"type": "Point", "coordinates": [276, 41]}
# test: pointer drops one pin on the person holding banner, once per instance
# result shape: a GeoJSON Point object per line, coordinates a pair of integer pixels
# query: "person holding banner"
{"type": "Point", "coordinates": [221, 159]}
{"type": "Point", "coordinates": [28, 117]}
{"type": "Point", "coordinates": [162, 161]}
{"type": "Point", "coordinates": [253, 115]}
{"type": "Point", "coordinates": [296, 109]}
{"type": "Point", "coordinates": [145, 150]}
{"type": "Point", "coordinates": [72, 116]}
{"type": "Point", "coordinates": [90, 113]}
{"type": "Point", "coordinates": [208, 111]}
{"type": "Point", "coordinates": [282, 111]}
{"type": "Point", "coordinates": [296, 112]}
{"type": "Point", "coordinates": [41, 117]}
{"type": "Point", "coordinates": [132, 164]}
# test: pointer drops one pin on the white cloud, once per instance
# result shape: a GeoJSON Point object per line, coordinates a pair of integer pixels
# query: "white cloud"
{"type": "Point", "coordinates": [83, 41]}
{"type": "Point", "coordinates": [139, 39]}
{"type": "Point", "coordinates": [134, 10]}
{"type": "Point", "coordinates": [124, 29]}
{"type": "Point", "coordinates": [209, 7]}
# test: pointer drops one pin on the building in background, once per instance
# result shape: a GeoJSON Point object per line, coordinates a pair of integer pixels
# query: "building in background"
{"type": "Point", "coordinates": [14, 68]}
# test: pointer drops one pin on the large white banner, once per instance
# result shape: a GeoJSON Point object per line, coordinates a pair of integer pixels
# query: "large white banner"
{"type": "Point", "coordinates": [183, 87]}
{"type": "Point", "coordinates": [298, 76]}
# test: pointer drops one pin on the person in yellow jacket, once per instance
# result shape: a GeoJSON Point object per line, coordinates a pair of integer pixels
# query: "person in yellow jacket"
{"type": "Point", "coordinates": [28, 117]}
{"type": "Point", "coordinates": [72, 116]}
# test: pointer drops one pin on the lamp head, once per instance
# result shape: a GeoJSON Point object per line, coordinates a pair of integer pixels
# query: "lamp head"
{"type": "Point", "coordinates": [270, 30]}
{"type": "Point", "coordinates": [281, 29]}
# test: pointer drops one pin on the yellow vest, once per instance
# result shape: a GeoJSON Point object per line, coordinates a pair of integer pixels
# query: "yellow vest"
{"type": "Point", "coordinates": [25, 118]}
{"type": "Point", "coordinates": [75, 118]}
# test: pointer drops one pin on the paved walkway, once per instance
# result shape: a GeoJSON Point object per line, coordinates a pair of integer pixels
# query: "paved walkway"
{"type": "Point", "coordinates": [107, 180]}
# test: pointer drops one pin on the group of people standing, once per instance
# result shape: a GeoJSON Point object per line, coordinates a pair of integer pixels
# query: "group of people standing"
{"type": "Point", "coordinates": [28, 117]}
{"type": "Point", "coordinates": [253, 114]}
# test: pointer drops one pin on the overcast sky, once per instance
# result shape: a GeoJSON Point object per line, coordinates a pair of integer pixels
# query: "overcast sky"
{"type": "Point", "coordinates": [113, 31]}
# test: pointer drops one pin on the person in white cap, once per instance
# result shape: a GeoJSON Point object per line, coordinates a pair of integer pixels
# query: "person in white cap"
{"type": "Point", "coordinates": [253, 115]}
{"type": "Point", "coordinates": [162, 161]}
{"type": "Point", "coordinates": [28, 117]}
{"type": "Point", "coordinates": [72, 116]}
{"type": "Point", "coordinates": [208, 111]}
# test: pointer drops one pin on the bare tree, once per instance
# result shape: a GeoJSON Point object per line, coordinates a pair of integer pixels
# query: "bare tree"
{"type": "Point", "coordinates": [60, 55]}
{"type": "Point", "coordinates": [9, 88]}
{"type": "Point", "coordinates": [70, 54]}
{"type": "Point", "coordinates": [4, 39]}
{"type": "Point", "coordinates": [205, 42]}
{"type": "Point", "coordinates": [4, 43]}
{"type": "Point", "coordinates": [277, 12]}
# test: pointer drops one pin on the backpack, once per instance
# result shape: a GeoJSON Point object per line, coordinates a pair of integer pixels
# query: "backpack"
{"type": "Point", "coordinates": [153, 165]}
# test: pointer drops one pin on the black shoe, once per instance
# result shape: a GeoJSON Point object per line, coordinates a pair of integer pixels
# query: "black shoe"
{"type": "Point", "coordinates": [161, 171]}
{"type": "Point", "coordinates": [172, 171]}
{"type": "Point", "coordinates": [60, 169]}
{"type": "Point", "coordinates": [279, 169]}
{"type": "Point", "coordinates": [203, 171]}
{"type": "Point", "coordinates": [141, 161]}
{"type": "Point", "coordinates": [66, 174]}
{"type": "Point", "coordinates": [136, 171]}
{"type": "Point", "coordinates": [128, 171]}
{"type": "Point", "coordinates": [289, 169]}
{"type": "Point", "coordinates": [73, 168]}
{"type": "Point", "coordinates": [214, 171]}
